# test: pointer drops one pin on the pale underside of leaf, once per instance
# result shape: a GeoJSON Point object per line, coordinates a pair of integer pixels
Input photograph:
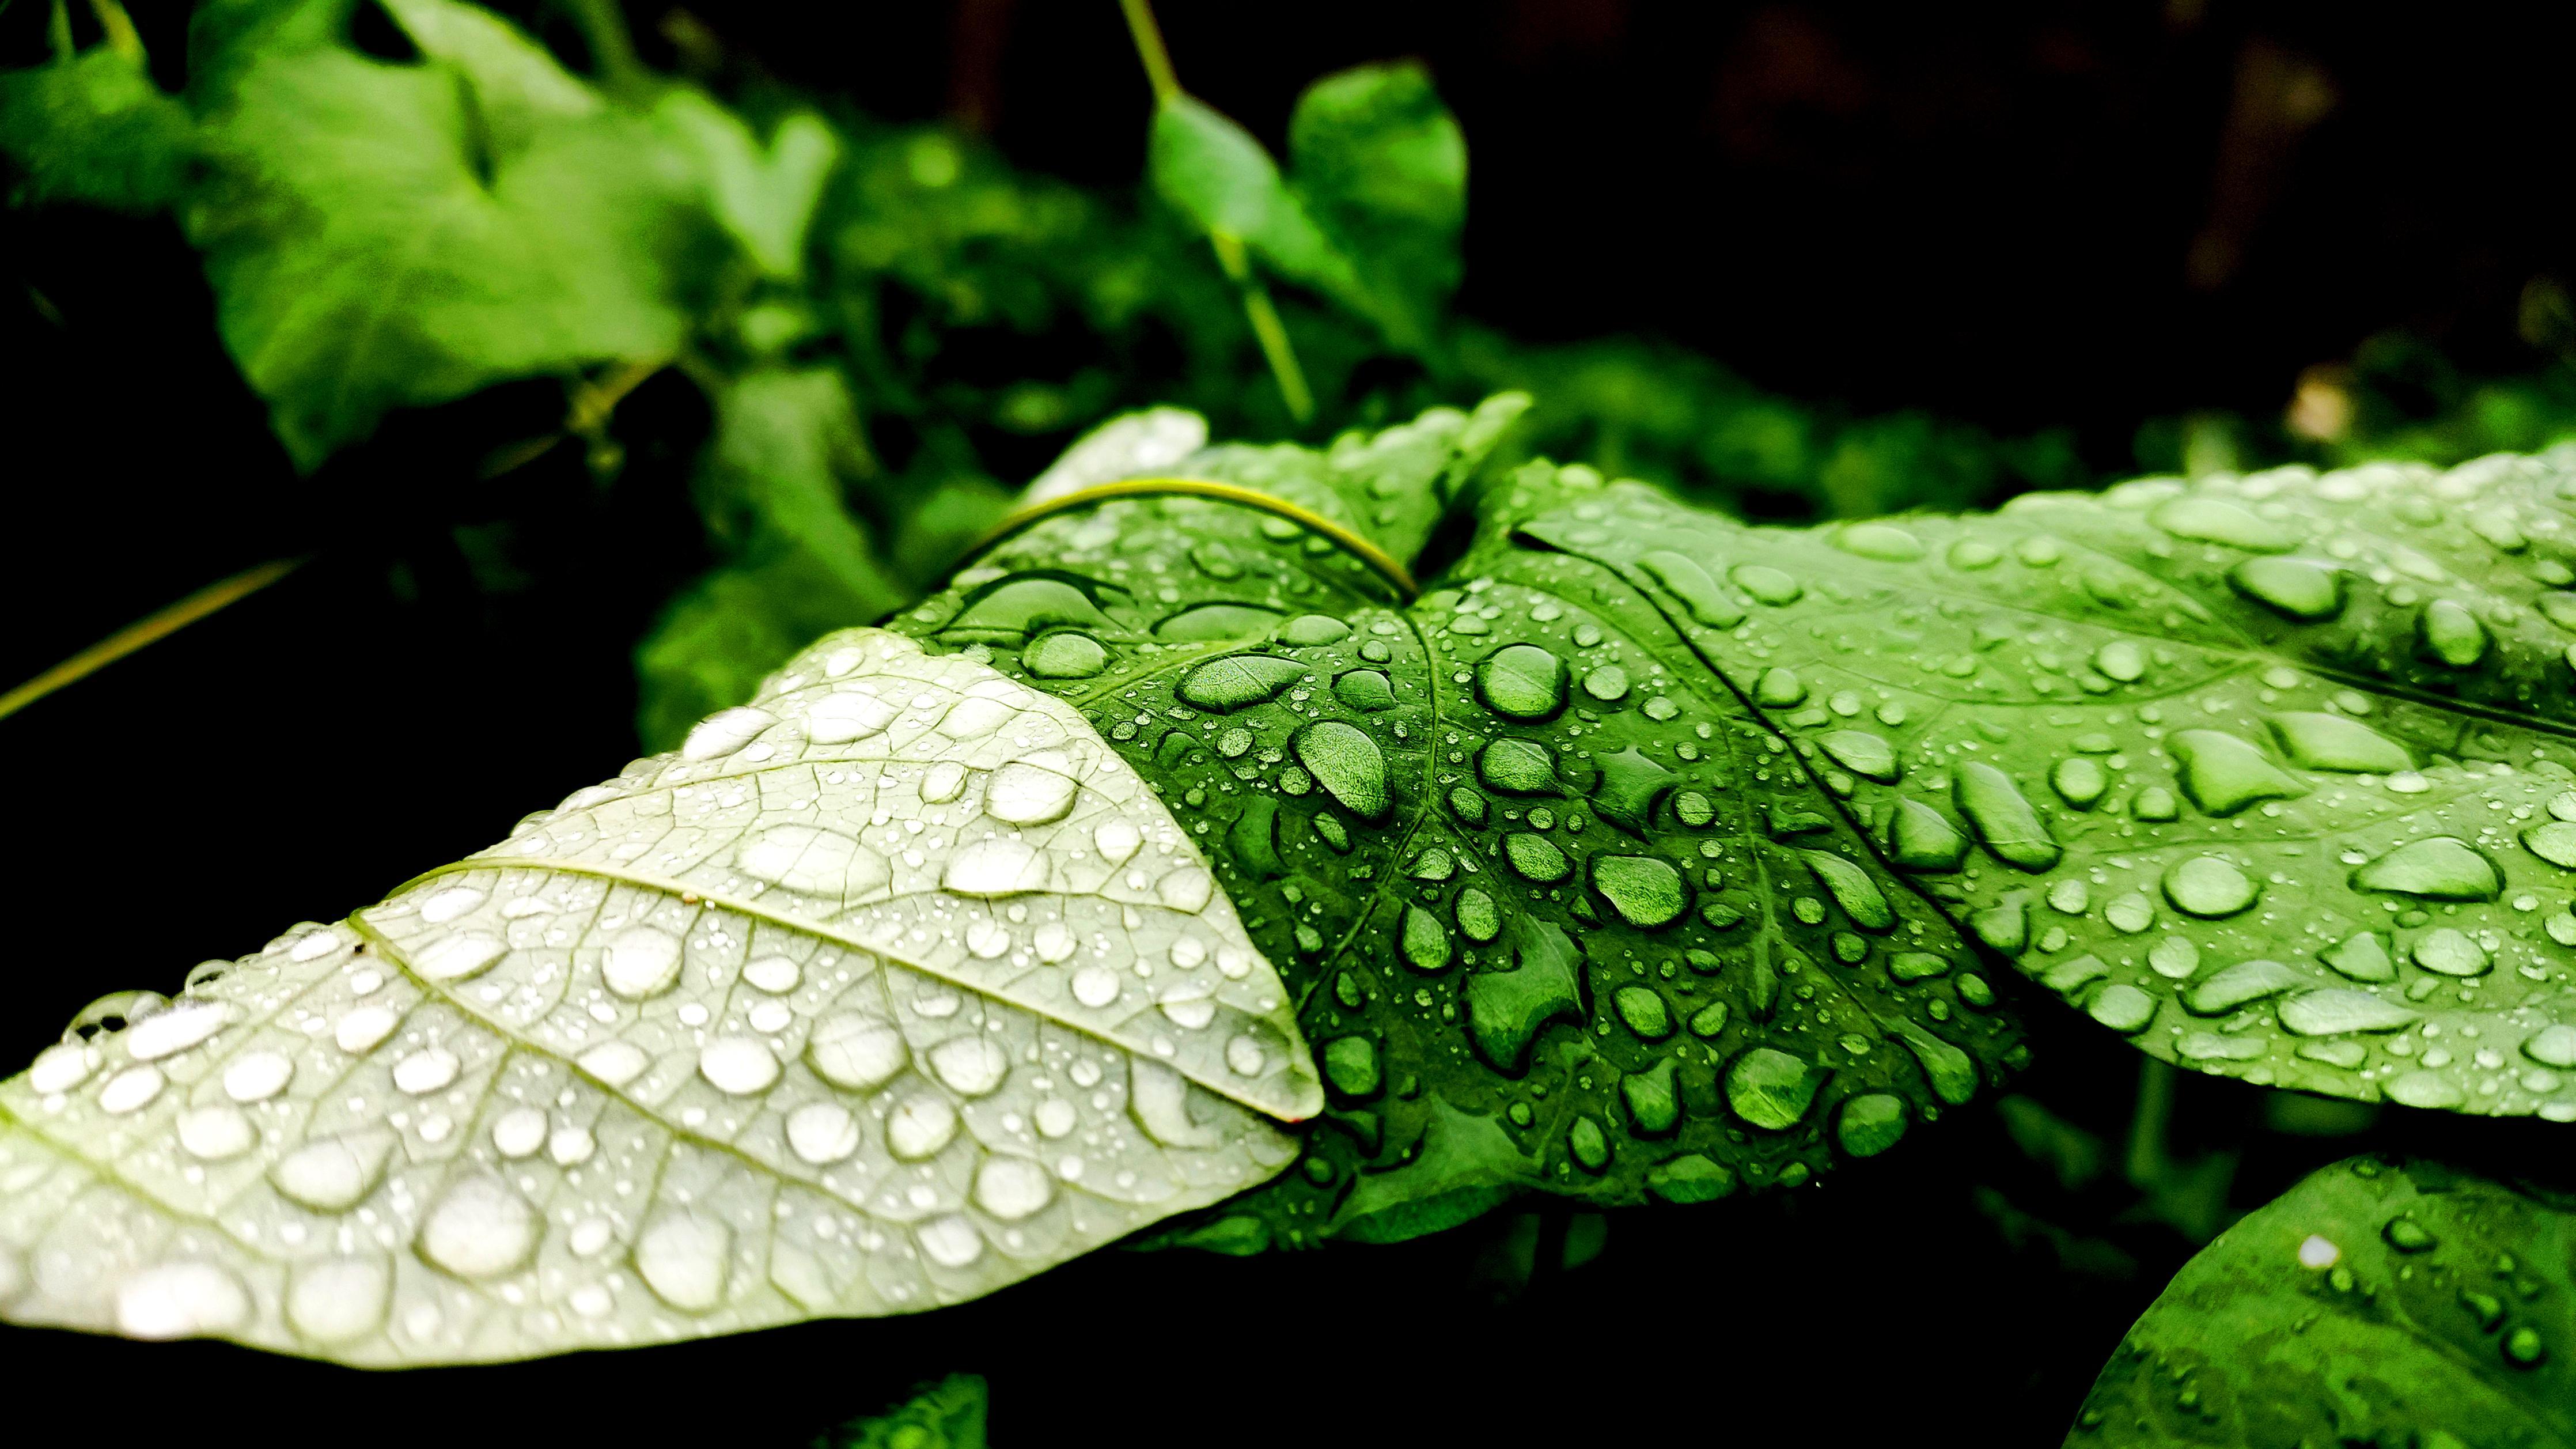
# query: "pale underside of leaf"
{"type": "Point", "coordinates": [2372, 1303]}
{"type": "Point", "coordinates": [890, 988]}
{"type": "Point", "coordinates": [2271, 775]}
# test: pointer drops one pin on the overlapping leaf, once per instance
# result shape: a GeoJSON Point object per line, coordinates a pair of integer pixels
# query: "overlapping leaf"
{"type": "Point", "coordinates": [1561, 910]}
{"type": "Point", "coordinates": [884, 991]}
{"type": "Point", "coordinates": [2271, 775]}
{"type": "Point", "coordinates": [2374, 1303]}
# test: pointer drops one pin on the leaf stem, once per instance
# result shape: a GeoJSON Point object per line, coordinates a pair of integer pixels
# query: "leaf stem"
{"type": "Point", "coordinates": [121, 35]}
{"type": "Point", "coordinates": [1266, 326]}
{"type": "Point", "coordinates": [1257, 308]}
{"type": "Point", "coordinates": [2147, 1163]}
{"type": "Point", "coordinates": [58, 34]}
{"type": "Point", "coordinates": [145, 631]}
{"type": "Point", "coordinates": [612, 50]}
{"type": "Point", "coordinates": [1149, 49]}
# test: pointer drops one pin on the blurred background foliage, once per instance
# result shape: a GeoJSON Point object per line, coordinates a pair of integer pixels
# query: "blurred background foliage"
{"type": "Point", "coordinates": [722, 327]}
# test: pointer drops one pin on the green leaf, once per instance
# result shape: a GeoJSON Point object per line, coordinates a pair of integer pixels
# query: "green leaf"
{"type": "Point", "coordinates": [387, 235]}
{"type": "Point", "coordinates": [765, 196]}
{"type": "Point", "coordinates": [2374, 1303]}
{"type": "Point", "coordinates": [2269, 775]}
{"type": "Point", "coordinates": [95, 130]}
{"type": "Point", "coordinates": [1220, 177]}
{"type": "Point", "coordinates": [945, 1415]}
{"type": "Point", "coordinates": [1382, 166]}
{"type": "Point", "coordinates": [1553, 898]}
{"type": "Point", "coordinates": [772, 484]}
{"type": "Point", "coordinates": [882, 992]}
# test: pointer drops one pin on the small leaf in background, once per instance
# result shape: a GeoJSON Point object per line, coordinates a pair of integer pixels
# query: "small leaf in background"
{"type": "Point", "coordinates": [774, 486]}
{"type": "Point", "coordinates": [1382, 166]}
{"type": "Point", "coordinates": [764, 195]}
{"type": "Point", "coordinates": [1221, 178]}
{"type": "Point", "coordinates": [2374, 1303]}
{"type": "Point", "coordinates": [95, 129]}
{"type": "Point", "coordinates": [949, 1414]}
{"type": "Point", "coordinates": [884, 991]}
{"type": "Point", "coordinates": [383, 235]}
{"type": "Point", "coordinates": [2266, 774]}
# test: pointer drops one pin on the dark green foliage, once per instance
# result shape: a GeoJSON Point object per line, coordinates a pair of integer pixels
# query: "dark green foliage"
{"type": "Point", "coordinates": [946, 1415]}
{"type": "Point", "coordinates": [2374, 1303]}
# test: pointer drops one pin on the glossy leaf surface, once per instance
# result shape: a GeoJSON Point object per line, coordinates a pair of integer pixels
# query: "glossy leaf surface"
{"type": "Point", "coordinates": [2374, 1303]}
{"type": "Point", "coordinates": [886, 990]}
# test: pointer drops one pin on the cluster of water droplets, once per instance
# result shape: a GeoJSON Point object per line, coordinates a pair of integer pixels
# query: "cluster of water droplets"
{"type": "Point", "coordinates": [2187, 753]}
{"type": "Point", "coordinates": [888, 988]}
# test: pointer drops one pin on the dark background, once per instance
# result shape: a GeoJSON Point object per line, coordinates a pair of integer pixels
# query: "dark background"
{"type": "Point", "coordinates": [2021, 215]}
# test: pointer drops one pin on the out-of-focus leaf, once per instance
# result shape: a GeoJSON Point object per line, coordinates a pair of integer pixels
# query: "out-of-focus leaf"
{"type": "Point", "coordinates": [890, 988]}
{"type": "Point", "coordinates": [773, 485]}
{"type": "Point", "coordinates": [764, 195]}
{"type": "Point", "coordinates": [1382, 166]}
{"type": "Point", "coordinates": [2374, 1303]}
{"type": "Point", "coordinates": [95, 129]}
{"type": "Point", "coordinates": [1221, 178]}
{"type": "Point", "coordinates": [946, 1415]}
{"type": "Point", "coordinates": [384, 235]}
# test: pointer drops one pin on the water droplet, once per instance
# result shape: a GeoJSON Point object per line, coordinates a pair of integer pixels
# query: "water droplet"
{"type": "Point", "coordinates": [181, 1300]}
{"type": "Point", "coordinates": [1307, 631]}
{"type": "Point", "coordinates": [2554, 842]}
{"type": "Point", "coordinates": [1347, 763]}
{"type": "Point", "coordinates": [1350, 1064]}
{"type": "Point", "coordinates": [1365, 690]}
{"type": "Point", "coordinates": [822, 1133]}
{"type": "Point", "coordinates": [2003, 819]}
{"type": "Point", "coordinates": [1518, 767]}
{"type": "Point", "coordinates": [1683, 577]}
{"type": "Point", "coordinates": [131, 1090]}
{"type": "Point", "coordinates": [1239, 681]}
{"type": "Point", "coordinates": [645, 961]}
{"type": "Point", "coordinates": [1779, 688]}
{"type": "Point", "coordinates": [2438, 867]}
{"type": "Point", "coordinates": [1012, 1188]}
{"type": "Point", "coordinates": [1644, 1011]}
{"type": "Point", "coordinates": [740, 1065]}
{"type": "Point", "coordinates": [2449, 952]}
{"type": "Point", "coordinates": [1002, 866]}
{"type": "Point", "coordinates": [1646, 891]}
{"type": "Point", "coordinates": [361, 1031]}
{"type": "Point", "coordinates": [2523, 1347]}
{"type": "Point", "coordinates": [1883, 541]}
{"type": "Point", "coordinates": [2079, 781]}
{"type": "Point", "coordinates": [2361, 957]}
{"type": "Point", "coordinates": [2122, 1007]}
{"type": "Point", "coordinates": [428, 1070]}
{"type": "Point", "coordinates": [1590, 1149]}
{"type": "Point", "coordinates": [2336, 1010]}
{"type": "Point", "coordinates": [919, 1126]}
{"type": "Point", "coordinates": [1523, 682]}
{"type": "Point", "coordinates": [2121, 659]}
{"type": "Point", "coordinates": [1853, 890]}
{"type": "Point", "coordinates": [1861, 753]}
{"type": "Point", "coordinates": [216, 1133]}
{"type": "Point", "coordinates": [720, 734]}
{"type": "Point", "coordinates": [2223, 774]}
{"type": "Point", "coordinates": [1218, 623]}
{"type": "Point", "coordinates": [1771, 1089]}
{"type": "Point", "coordinates": [1025, 792]}
{"type": "Point", "coordinates": [1608, 684]}
{"type": "Point", "coordinates": [167, 1033]}
{"type": "Point", "coordinates": [2214, 520]}
{"type": "Point", "coordinates": [2451, 634]}
{"type": "Point", "coordinates": [1767, 584]}
{"type": "Point", "coordinates": [2552, 1046]}
{"type": "Point", "coordinates": [1922, 838]}
{"type": "Point", "coordinates": [2154, 803]}
{"type": "Point", "coordinates": [1536, 858]}
{"type": "Point", "coordinates": [2296, 587]}
{"type": "Point", "coordinates": [339, 1300]}
{"type": "Point", "coordinates": [334, 1174]}
{"type": "Point", "coordinates": [479, 1228]}
{"type": "Point", "coordinates": [1425, 942]}
{"type": "Point", "coordinates": [2208, 886]}
{"type": "Point", "coordinates": [1653, 1105]}
{"type": "Point", "coordinates": [1061, 654]}
{"type": "Point", "coordinates": [1479, 919]}
{"type": "Point", "coordinates": [683, 1257]}
{"type": "Point", "coordinates": [2335, 742]}
{"type": "Point", "coordinates": [857, 1050]}
{"type": "Point", "coordinates": [2427, 1089]}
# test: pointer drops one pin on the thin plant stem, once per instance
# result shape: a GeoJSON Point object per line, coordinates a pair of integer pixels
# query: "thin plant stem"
{"type": "Point", "coordinates": [1257, 307]}
{"type": "Point", "coordinates": [147, 630]}
{"type": "Point", "coordinates": [2147, 1164]}
{"type": "Point", "coordinates": [121, 36]}
{"type": "Point", "coordinates": [58, 33]}
{"type": "Point", "coordinates": [1149, 48]}
{"type": "Point", "coordinates": [1266, 326]}
{"type": "Point", "coordinates": [612, 50]}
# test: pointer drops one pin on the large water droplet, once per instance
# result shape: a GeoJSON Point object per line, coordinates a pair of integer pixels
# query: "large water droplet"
{"type": "Point", "coordinates": [2361, 957]}
{"type": "Point", "coordinates": [1534, 857]}
{"type": "Point", "coordinates": [2446, 951]}
{"type": "Point", "coordinates": [2003, 819]}
{"type": "Point", "coordinates": [1479, 919]}
{"type": "Point", "coordinates": [1347, 763]}
{"type": "Point", "coordinates": [2439, 867]}
{"type": "Point", "coordinates": [2552, 1046]}
{"type": "Point", "coordinates": [1063, 654]}
{"type": "Point", "coordinates": [333, 1175]}
{"type": "Point", "coordinates": [1861, 753]}
{"type": "Point", "coordinates": [1012, 1188]}
{"type": "Point", "coordinates": [2246, 981]}
{"type": "Point", "coordinates": [813, 860]}
{"type": "Point", "coordinates": [919, 1126]}
{"type": "Point", "coordinates": [683, 1257]}
{"type": "Point", "coordinates": [2122, 1007]}
{"type": "Point", "coordinates": [181, 1300]}
{"type": "Point", "coordinates": [1424, 941]}
{"type": "Point", "coordinates": [740, 1065]}
{"type": "Point", "coordinates": [339, 1300]}
{"type": "Point", "coordinates": [1853, 890]}
{"type": "Point", "coordinates": [2079, 781]}
{"type": "Point", "coordinates": [1002, 866]}
{"type": "Point", "coordinates": [1771, 1089]}
{"type": "Point", "coordinates": [2208, 886]}
{"type": "Point", "coordinates": [1522, 681]}
{"type": "Point", "coordinates": [1766, 584]}
{"type": "Point", "coordinates": [1922, 838]}
{"type": "Point", "coordinates": [2293, 586]}
{"type": "Point", "coordinates": [1883, 541]}
{"type": "Point", "coordinates": [858, 1050]}
{"type": "Point", "coordinates": [2214, 520]}
{"type": "Point", "coordinates": [1216, 623]}
{"type": "Point", "coordinates": [2336, 742]}
{"type": "Point", "coordinates": [1646, 891]}
{"type": "Point", "coordinates": [1239, 681]}
{"type": "Point", "coordinates": [1683, 577]}
{"type": "Point", "coordinates": [1518, 767]}
{"type": "Point", "coordinates": [479, 1228]}
{"type": "Point", "coordinates": [1365, 690]}
{"type": "Point", "coordinates": [2554, 842]}
{"type": "Point", "coordinates": [2334, 1011]}
{"type": "Point", "coordinates": [1643, 1009]}
{"type": "Point", "coordinates": [2223, 774]}
{"type": "Point", "coordinates": [1870, 1124]}
{"type": "Point", "coordinates": [2450, 633]}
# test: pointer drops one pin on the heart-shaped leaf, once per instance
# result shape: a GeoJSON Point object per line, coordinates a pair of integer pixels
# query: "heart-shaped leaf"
{"type": "Point", "coordinates": [887, 989]}
{"type": "Point", "coordinates": [2374, 1303]}
{"type": "Point", "coordinates": [1560, 908]}
{"type": "Point", "coordinates": [2270, 775]}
